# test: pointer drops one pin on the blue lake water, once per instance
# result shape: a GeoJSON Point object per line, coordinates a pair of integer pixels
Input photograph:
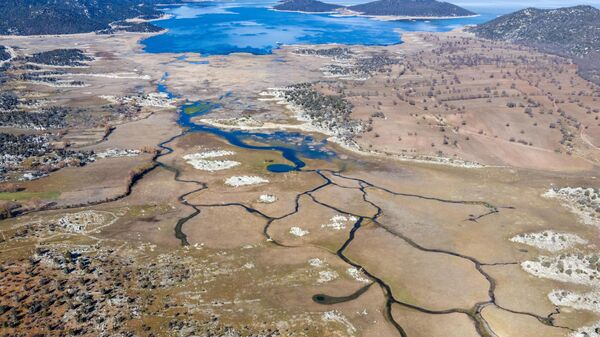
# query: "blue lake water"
{"type": "Point", "coordinates": [220, 28]}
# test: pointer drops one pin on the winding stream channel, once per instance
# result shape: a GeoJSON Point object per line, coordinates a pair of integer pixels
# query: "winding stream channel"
{"type": "Point", "coordinates": [305, 146]}
{"type": "Point", "coordinates": [293, 146]}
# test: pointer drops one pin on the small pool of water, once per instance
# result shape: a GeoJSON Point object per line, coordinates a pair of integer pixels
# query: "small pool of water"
{"type": "Point", "coordinates": [328, 300]}
{"type": "Point", "coordinates": [280, 168]}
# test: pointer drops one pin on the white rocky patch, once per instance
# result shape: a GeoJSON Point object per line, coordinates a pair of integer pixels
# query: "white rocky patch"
{"type": "Point", "coordinates": [338, 222]}
{"type": "Point", "coordinates": [267, 198]}
{"type": "Point", "coordinates": [118, 76]}
{"type": "Point", "coordinates": [116, 153]}
{"type": "Point", "coordinates": [12, 160]}
{"type": "Point", "coordinates": [212, 165]}
{"type": "Point", "coordinates": [237, 181]}
{"type": "Point", "coordinates": [243, 122]}
{"type": "Point", "coordinates": [575, 268]}
{"type": "Point", "coordinates": [157, 99]}
{"type": "Point", "coordinates": [549, 240]}
{"type": "Point", "coordinates": [29, 176]}
{"type": "Point", "coordinates": [200, 160]}
{"type": "Point", "coordinates": [584, 202]}
{"type": "Point", "coordinates": [80, 221]}
{"type": "Point", "coordinates": [60, 84]}
{"type": "Point", "coordinates": [210, 154]}
{"type": "Point", "coordinates": [316, 262]}
{"type": "Point", "coordinates": [56, 66]}
{"type": "Point", "coordinates": [582, 301]}
{"type": "Point", "coordinates": [326, 127]}
{"type": "Point", "coordinates": [297, 231]}
{"type": "Point", "coordinates": [327, 276]}
{"type": "Point", "coordinates": [336, 316]}
{"type": "Point", "coordinates": [357, 275]}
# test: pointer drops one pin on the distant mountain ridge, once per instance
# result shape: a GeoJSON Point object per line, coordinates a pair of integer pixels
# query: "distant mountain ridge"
{"type": "Point", "coordinates": [400, 8]}
{"type": "Point", "coordinates": [310, 6]}
{"type": "Point", "coordinates": [411, 8]}
{"type": "Point", "coordinates": [571, 31]}
{"type": "Point", "coordinates": [42, 17]}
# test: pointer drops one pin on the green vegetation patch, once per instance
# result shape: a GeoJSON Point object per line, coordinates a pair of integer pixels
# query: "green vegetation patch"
{"type": "Point", "coordinates": [24, 195]}
{"type": "Point", "coordinates": [198, 107]}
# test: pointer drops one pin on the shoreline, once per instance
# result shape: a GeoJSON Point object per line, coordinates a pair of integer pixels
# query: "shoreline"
{"type": "Point", "coordinates": [165, 16]}
{"type": "Point", "coordinates": [341, 13]}
{"type": "Point", "coordinates": [406, 18]}
{"type": "Point", "coordinates": [131, 20]}
{"type": "Point", "coordinates": [307, 127]}
{"type": "Point", "coordinates": [302, 12]}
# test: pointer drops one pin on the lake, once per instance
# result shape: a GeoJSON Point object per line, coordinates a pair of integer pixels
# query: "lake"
{"type": "Point", "coordinates": [221, 28]}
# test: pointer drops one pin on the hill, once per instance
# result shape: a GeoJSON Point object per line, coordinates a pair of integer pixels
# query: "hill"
{"type": "Point", "coordinates": [42, 17]}
{"type": "Point", "coordinates": [310, 6]}
{"type": "Point", "coordinates": [572, 31]}
{"type": "Point", "coordinates": [413, 8]}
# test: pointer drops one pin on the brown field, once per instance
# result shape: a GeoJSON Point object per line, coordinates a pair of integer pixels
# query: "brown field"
{"type": "Point", "coordinates": [424, 250]}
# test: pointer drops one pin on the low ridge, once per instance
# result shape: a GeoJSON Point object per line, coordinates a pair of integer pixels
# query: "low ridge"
{"type": "Point", "coordinates": [571, 31]}
{"type": "Point", "coordinates": [309, 6]}
{"type": "Point", "coordinates": [411, 8]}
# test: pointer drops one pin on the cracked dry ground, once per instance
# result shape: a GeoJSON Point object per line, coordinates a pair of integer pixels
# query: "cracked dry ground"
{"type": "Point", "coordinates": [423, 251]}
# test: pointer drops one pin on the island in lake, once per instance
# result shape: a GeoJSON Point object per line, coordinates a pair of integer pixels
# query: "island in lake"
{"type": "Point", "coordinates": [390, 9]}
{"type": "Point", "coordinates": [306, 6]}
